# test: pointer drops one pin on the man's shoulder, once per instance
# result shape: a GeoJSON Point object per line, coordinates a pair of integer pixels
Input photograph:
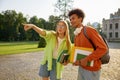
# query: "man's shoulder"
{"type": "Point", "coordinates": [90, 28]}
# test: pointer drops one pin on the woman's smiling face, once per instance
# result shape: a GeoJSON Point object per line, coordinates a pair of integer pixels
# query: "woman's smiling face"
{"type": "Point", "coordinates": [61, 27]}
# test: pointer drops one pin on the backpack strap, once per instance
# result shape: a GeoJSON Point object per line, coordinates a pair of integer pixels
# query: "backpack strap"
{"type": "Point", "coordinates": [105, 58]}
{"type": "Point", "coordinates": [85, 34]}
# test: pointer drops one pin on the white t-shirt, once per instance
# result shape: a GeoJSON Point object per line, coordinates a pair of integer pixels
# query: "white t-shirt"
{"type": "Point", "coordinates": [55, 52]}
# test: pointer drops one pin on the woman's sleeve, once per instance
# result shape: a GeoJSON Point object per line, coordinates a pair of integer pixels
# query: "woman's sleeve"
{"type": "Point", "coordinates": [47, 34]}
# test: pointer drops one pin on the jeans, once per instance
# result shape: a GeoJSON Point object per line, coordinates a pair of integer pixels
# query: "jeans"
{"type": "Point", "coordinates": [52, 73]}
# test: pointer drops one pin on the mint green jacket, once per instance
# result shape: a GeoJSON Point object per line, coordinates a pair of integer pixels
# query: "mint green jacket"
{"type": "Point", "coordinates": [51, 41]}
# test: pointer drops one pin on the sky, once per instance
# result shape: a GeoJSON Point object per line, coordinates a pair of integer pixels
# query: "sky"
{"type": "Point", "coordinates": [95, 10]}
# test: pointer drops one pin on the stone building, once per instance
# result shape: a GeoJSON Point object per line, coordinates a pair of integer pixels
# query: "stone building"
{"type": "Point", "coordinates": [111, 27]}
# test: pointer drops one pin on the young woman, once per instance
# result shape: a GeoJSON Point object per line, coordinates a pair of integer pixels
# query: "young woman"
{"type": "Point", "coordinates": [57, 41]}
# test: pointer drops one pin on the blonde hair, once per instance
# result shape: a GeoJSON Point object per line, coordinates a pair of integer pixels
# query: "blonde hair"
{"type": "Point", "coordinates": [68, 42]}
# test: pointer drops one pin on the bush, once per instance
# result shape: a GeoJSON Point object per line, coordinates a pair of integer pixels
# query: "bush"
{"type": "Point", "coordinates": [42, 43]}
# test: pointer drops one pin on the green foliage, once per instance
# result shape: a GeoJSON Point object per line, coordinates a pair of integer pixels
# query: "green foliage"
{"type": "Point", "coordinates": [42, 43]}
{"type": "Point", "coordinates": [11, 28]}
{"type": "Point", "coordinates": [10, 24]}
{"type": "Point", "coordinates": [62, 7]}
{"type": "Point", "coordinates": [31, 34]}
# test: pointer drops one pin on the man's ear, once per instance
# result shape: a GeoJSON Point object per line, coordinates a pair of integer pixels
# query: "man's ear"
{"type": "Point", "coordinates": [80, 19]}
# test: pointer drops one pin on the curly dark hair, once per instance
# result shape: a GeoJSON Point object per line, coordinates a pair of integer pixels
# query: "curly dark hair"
{"type": "Point", "coordinates": [78, 12]}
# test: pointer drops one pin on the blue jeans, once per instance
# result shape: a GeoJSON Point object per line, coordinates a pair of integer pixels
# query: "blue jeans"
{"type": "Point", "coordinates": [45, 73]}
{"type": "Point", "coordinates": [88, 75]}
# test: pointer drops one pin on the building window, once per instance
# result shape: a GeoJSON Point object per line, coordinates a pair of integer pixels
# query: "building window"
{"type": "Point", "coordinates": [110, 26]}
{"type": "Point", "coordinates": [110, 34]}
{"type": "Point", "coordinates": [116, 34]}
{"type": "Point", "coordinates": [116, 26]}
{"type": "Point", "coordinates": [105, 27]}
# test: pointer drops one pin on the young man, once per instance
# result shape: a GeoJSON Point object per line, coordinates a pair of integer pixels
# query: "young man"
{"type": "Point", "coordinates": [85, 72]}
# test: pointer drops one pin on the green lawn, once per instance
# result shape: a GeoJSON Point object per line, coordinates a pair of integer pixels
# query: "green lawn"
{"type": "Point", "coordinates": [18, 47]}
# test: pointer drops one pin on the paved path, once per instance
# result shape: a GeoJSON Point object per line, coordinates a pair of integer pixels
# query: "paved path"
{"type": "Point", "coordinates": [20, 66]}
{"type": "Point", "coordinates": [26, 67]}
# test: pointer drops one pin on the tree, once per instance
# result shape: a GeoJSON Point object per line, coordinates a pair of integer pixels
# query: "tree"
{"type": "Point", "coordinates": [20, 31]}
{"type": "Point", "coordinates": [53, 21]}
{"type": "Point", "coordinates": [88, 24]}
{"type": "Point", "coordinates": [1, 27]}
{"type": "Point", "coordinates": [32, 35]}
{"type": "Point", "coordinates": [41, 24]}
{"type": "Point", "coordinates": [97, 26]}
{"type": "Point", "coordinates": [62, 7]}
{"type": "Point", "coordinates": [10, 23]}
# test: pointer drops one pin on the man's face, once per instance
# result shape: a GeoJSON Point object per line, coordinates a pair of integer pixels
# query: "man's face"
{"type": "Point", "coordinates": [75, 20]}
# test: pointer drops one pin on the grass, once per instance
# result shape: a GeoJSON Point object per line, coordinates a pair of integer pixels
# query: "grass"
{"type": "Point", "coordinates": [18, 47]}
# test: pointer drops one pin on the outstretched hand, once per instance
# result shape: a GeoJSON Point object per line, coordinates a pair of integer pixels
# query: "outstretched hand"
{"type": "Point", "coordinates": [28, 26]}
